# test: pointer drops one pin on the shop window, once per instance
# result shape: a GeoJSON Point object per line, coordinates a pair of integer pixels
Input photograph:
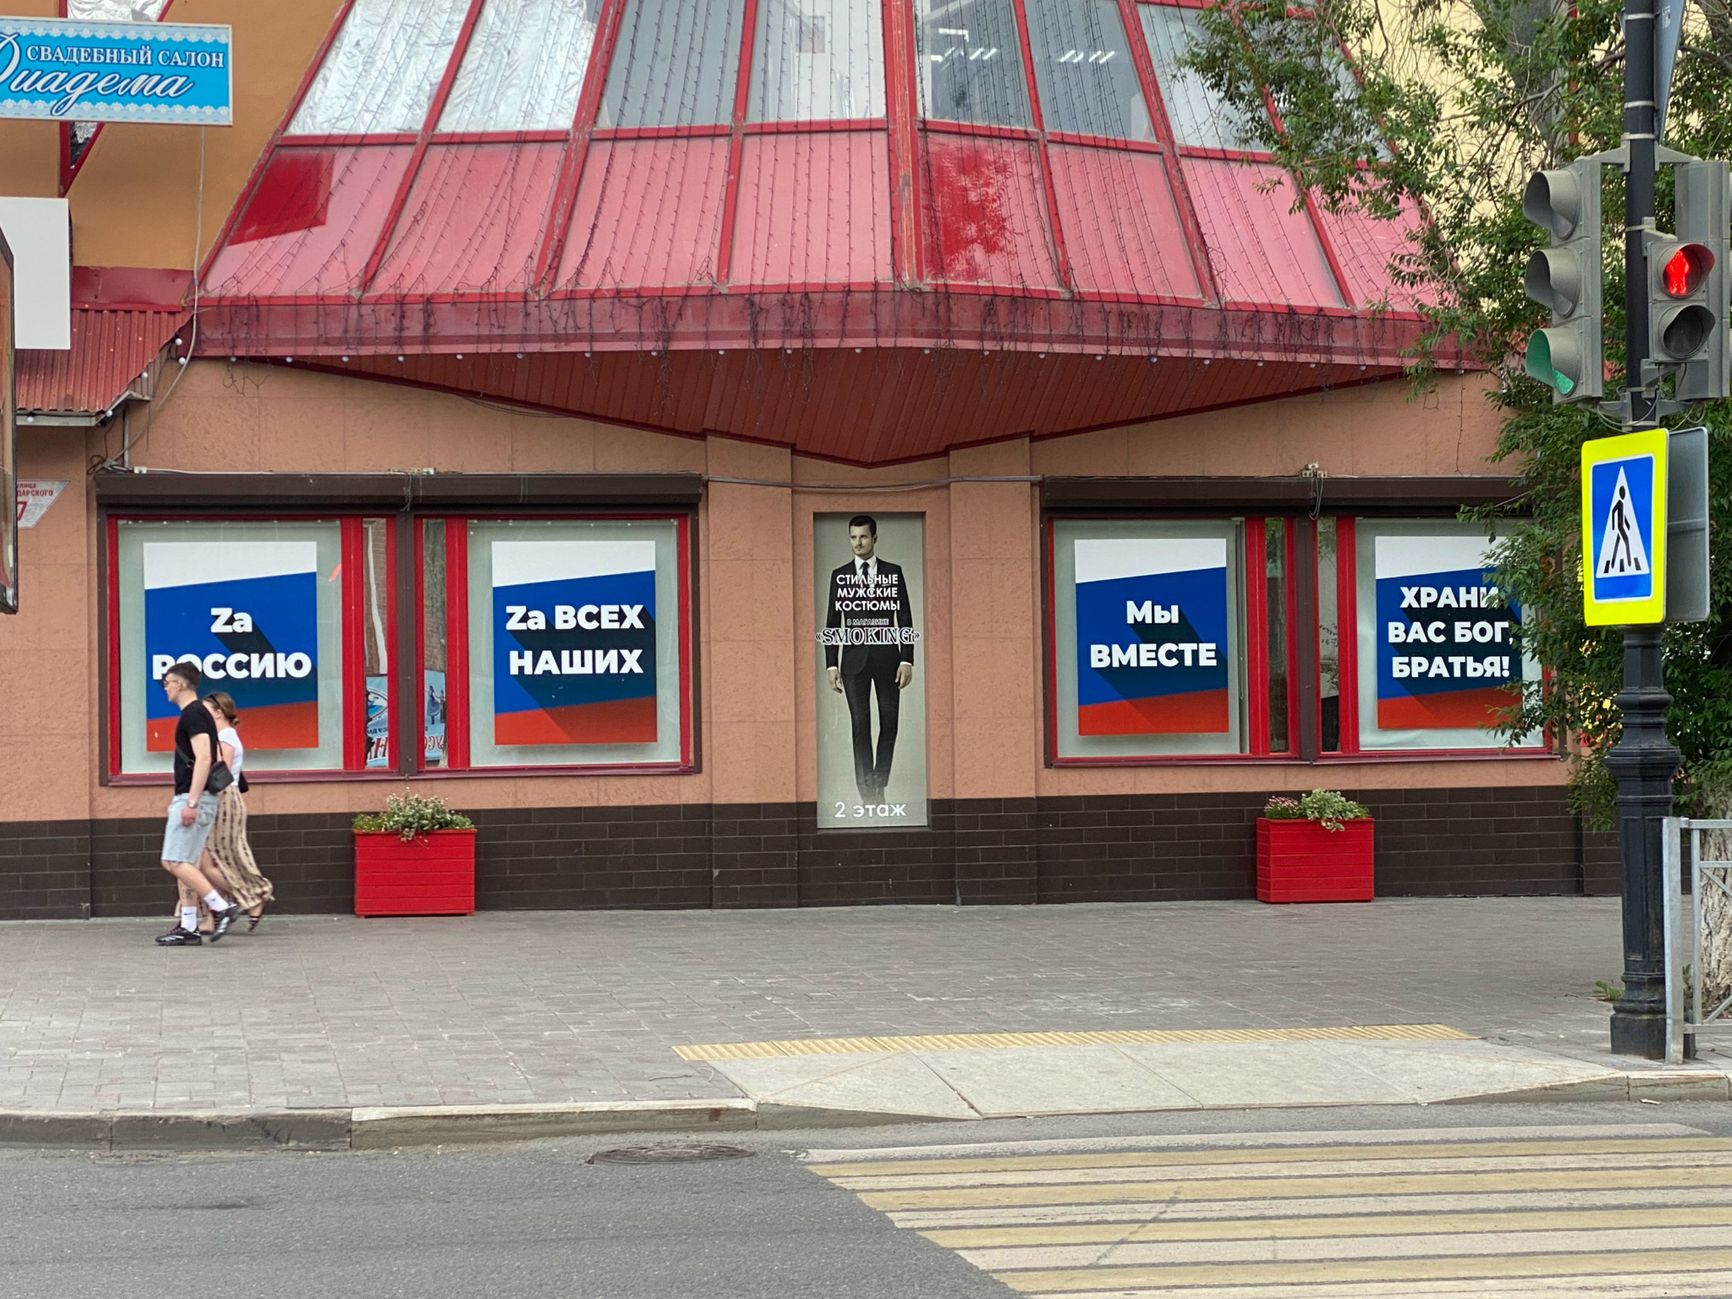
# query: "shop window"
{"type": "Point", "coordinates": [260, 606]}
{"type": "Point", "coordinates": [969, 56]}
{"type": "Point", "coordinates": [549, 643]}
{"type": "Point", "coordinates": [676, 64]}
{"type": "Point", "coordinates": [575, 642]}
{"type": "Point", "coordinates": [1436, 656]}
{"type": "Point", "coordinates": [381, 72]}
{"type": "Point", "coordinates": [1328, 636]}
{"type": "Point", "coordinates": [433, 640]}
{"type": "Point", "coordinates": [818, 60]}
{"type": "Point", "coordinates": [524, 68]}
{"type": "Point", "coordinates": [1083, 68]}
{"type": "Point", "coordinates": [1198, 115]}
{"type": "Point", "coordinates": [374, 633]}
{"type": "Point", "coordinates": [1277, 599]}
{"type": "Point", "coordinates": [1149, 638]}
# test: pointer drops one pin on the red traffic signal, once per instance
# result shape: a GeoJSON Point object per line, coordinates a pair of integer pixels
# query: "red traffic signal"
{"type": "Point", "coordinates": [1686, 270]}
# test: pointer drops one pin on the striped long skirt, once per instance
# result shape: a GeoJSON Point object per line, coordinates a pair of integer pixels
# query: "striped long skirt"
{"type": "Point", "coordinates": [228, 847]}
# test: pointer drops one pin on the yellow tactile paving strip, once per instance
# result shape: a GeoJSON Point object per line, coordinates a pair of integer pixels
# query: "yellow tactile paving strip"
{"type": "Point", "coordinates": [1115, 1037]}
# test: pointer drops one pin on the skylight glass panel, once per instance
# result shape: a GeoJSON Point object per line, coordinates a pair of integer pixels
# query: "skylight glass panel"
{"type": "Point", "coordinates": [380, 74]}
{"type": "Point", "coordinates": [1199, 116]}
{"type": "Point", "coordinates": [524, 68]}
{"type": "Point", "coordinates": [818, 60]}
{"type": "Point", "coordinates": [1082, 65]}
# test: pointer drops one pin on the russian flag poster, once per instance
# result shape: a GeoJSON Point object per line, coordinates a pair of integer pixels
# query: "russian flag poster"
{"type": "Point", "coordinates": [1446, 653]}
{"type": "Point", "coordinates": [1152, 636]}
{"type": "Point", "coordinates": [574, 642]}
{"type": "Point", "coordinates": [247, 613]}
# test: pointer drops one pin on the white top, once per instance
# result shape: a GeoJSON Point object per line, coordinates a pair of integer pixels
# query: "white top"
{"type": "Point", "coordinates": [231, 737]}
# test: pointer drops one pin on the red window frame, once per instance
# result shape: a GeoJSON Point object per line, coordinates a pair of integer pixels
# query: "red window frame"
{"type": "Point", "coordinates": [1257, 676]}
{"type": "Point", "coordinates": [351, 635]}
{"type": "Point", "coordinates": [1255, 622]}
{"type": "Point", "coordinates": [406, 719]}
{"type": "Point", "coordinates": [1347, 619]}
{"type": "Point", "coordinates": [457, 626]}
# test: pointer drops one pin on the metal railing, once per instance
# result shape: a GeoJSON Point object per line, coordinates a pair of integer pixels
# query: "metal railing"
{"type": "Point", "coordinates": [1683, 843]}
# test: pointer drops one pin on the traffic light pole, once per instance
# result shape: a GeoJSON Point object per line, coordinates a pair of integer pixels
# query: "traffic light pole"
{"type": "Point", "coordinates": [1643, 762]}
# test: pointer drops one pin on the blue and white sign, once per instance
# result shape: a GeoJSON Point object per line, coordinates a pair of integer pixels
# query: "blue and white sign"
{"type": "Point", "coordinates": [1624, 529]}
{"type": "Point", "coordinates": [65, 70]}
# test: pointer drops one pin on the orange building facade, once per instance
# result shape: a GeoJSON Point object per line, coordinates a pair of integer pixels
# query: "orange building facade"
{"type": "Point", "coordinates": [754, 453]}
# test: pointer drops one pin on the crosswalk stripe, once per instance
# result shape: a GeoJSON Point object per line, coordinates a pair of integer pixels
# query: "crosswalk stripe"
{"type": "Point", "coordinates": [1673, 1285]}
{"type": "Point", "coordinates": [1329, 1272]}
{"type": "Point", "coordinates": [1009, 1263]}
{"type": "Point", "coordinates": [1293, 1187]}
{"type": "Point", "coordinates": [1355, 1226]}
{"type": "Point", "coordinates": [1268, 1155]}
{"type": "Point", "coordinates": [1510, 1216]}
{"type": "Point", "coordinates": [1359, 1138]}
{"type": "Point", "coordinates": [1139, 1173]}
{"type": "Point", "coordinates": [1219, 1210]}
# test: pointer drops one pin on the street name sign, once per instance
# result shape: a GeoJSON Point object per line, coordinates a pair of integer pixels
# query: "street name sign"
{"type": "Point", "coordinates": [1624, 529]}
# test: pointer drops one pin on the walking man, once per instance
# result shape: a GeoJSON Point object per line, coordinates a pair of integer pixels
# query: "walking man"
{"type": "Point", "coordinates": [193, 811]}
{"type": "Point", "coordinates": [869, 598]}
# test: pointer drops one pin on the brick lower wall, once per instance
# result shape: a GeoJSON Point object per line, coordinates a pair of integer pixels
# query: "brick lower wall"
{"type": "Point", "coordinates": [1430, 842]}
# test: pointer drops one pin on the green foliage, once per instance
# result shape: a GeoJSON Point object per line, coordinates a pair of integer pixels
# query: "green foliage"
{"type": "Point", "coordinates": [1449, 106]}
{"type": "Point", "coordinates": [408, 815]}
{"type": "Point", "coordinates": [1330, 808]}
{"type": "Point", "coordinates": [1606, 991]}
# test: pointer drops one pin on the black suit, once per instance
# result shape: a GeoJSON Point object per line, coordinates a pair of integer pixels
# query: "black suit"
{"type": "Point", "coordinates": [879, 607]}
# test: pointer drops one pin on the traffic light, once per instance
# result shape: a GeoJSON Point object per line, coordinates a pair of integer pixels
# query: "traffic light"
{"type": "Point", "coordinates": [1565, 278]}
{"type": "Point", "coordinates": [1687, 284]}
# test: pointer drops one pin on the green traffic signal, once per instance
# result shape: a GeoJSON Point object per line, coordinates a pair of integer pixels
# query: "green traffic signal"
{"type": "Point", "coordinates": [1543, 362]}
{"type": "Point", "coordinates": [1564, 278]}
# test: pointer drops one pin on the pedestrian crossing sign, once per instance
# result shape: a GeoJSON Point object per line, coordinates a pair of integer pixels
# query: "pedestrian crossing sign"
{"type": "Point", "coordinates": [1624, 529]}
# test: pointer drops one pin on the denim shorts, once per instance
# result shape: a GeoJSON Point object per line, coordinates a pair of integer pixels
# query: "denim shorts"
{"type": "Point", "coordinates": [185, 843]}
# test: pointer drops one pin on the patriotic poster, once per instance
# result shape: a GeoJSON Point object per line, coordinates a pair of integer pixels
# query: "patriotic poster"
{"type": "Point", "coordinates": [1152, 654]}
{"type": "Point", "coordinates": [574, 642]}
{"type": "Point", "coordinates": [247, 612]}
{"type": "Point", "coordinates": [1446, 654]}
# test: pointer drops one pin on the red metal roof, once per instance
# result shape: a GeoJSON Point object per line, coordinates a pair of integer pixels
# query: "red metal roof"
{"type": "Point", "coordinates": [961, 181]}
{"type": "Point", "coordinates": [111, 349]}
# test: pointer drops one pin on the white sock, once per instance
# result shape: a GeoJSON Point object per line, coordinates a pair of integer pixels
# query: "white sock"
{"type": "Point", "coordinates": [189, 919]}
{"type": "Point", "coordinates": [214, 901]}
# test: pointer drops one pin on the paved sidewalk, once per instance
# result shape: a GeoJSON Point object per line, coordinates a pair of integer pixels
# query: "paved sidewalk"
{"type": "Point", "coordinates": [574, 1007]}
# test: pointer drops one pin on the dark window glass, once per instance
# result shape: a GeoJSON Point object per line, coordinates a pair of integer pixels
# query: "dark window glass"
{"type": "Point", "coordinates": [676, 64]}
{"type": "Point", "coordinates": [1275, 578]}
{"type": "Point", "coordinates": [1328, 640]}
{"type": "Point", "coordinates": [970, 62]}
{"type": "Point", "coordinates": [433, 643]}
{"type": "Point", "coordinates": [1082, 64]}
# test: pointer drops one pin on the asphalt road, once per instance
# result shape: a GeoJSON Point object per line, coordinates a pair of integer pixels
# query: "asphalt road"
{"type": "Point", "coordinates": [540, 1220]}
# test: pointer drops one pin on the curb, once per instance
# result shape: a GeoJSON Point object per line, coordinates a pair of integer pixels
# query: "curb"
{"type": "Point", "coordinates": [397, 1127]}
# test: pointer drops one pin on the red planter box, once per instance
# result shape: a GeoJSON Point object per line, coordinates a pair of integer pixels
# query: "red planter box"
{"type": "Point", "coordinates": [1300, 861]}
{"type": "Point", "coordinates": [431, 875]}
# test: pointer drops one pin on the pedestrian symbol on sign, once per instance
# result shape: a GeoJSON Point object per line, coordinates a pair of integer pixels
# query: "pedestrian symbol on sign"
{"type": "Point", "coordinates": [1621, 549]}
{"type": "Point", "coordinates": [1624, 529]}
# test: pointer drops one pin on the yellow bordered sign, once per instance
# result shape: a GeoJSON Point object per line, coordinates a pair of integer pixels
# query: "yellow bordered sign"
{"type": "Point", "coordinates": [1624, 529]}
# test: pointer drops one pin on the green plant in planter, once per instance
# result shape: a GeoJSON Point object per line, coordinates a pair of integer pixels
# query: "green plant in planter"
{"type": "Point", "coordinates": [1330, 808]}
{"type": "Point", "coordinates": [408, 815]}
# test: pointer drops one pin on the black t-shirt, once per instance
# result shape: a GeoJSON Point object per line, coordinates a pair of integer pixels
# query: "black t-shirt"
{"type": "Point", "coordinates": [195, 719]}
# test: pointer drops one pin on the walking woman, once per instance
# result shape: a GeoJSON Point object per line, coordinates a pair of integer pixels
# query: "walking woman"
{"type": "Point", "coordinates": [228, 846]}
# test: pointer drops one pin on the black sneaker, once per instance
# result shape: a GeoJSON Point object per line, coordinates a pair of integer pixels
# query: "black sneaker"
{"type": "Point", "coordinates": [178, 937]}
{"type": "Point", "coordinates": [220, 922]}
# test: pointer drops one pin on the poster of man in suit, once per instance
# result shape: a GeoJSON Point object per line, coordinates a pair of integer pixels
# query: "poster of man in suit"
{"type": "Point", "coordinates": [871, 698]}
